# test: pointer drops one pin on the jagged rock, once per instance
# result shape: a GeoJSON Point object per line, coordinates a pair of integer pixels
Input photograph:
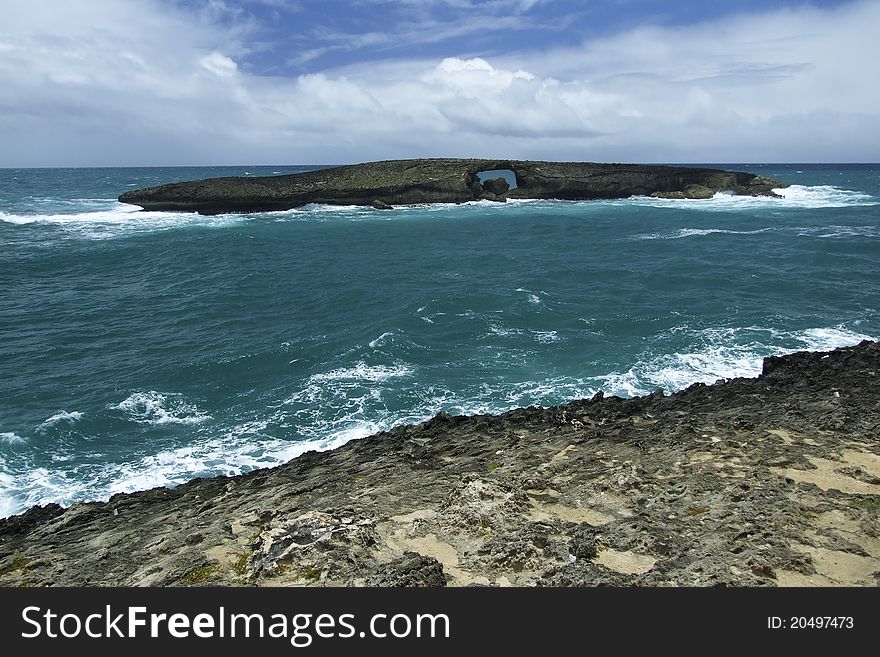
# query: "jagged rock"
{"type": "Point", "coordinates": [691, 191]}
{"type": "Point", "coordinates": [410, 569]}
{"type": "Point", "coordinates": [496, 186]}
{"type": "Point", "coordinates": [379, 204]}
{"type": "Point", "coordinates": [404, 182]}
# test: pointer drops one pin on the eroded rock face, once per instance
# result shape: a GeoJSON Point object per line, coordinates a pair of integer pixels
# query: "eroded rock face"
{"type": "Point", "coordinates": [496, 186]}
{"type": "Point", "coordinates": [749, 482]}
{"type": "Point", "coordinates": [404, 182]}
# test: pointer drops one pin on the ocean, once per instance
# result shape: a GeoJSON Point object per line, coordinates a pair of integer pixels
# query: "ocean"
{"type": "Point", "coordinates": [142, 349]}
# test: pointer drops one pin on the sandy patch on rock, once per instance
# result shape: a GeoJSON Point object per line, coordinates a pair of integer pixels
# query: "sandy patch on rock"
{"type": "Point", "coordinates": [784, 434]}
{"type": "Point", "coordinates": [577, 515]}
{"type": "Point", "coordinates": [826, 475]}
{"type": "Point", "coordinates": [397, 542]}
{"type": "Point", "coordinates": [627, 563]}
{"type": "Point", "coordinates": [833, 568]}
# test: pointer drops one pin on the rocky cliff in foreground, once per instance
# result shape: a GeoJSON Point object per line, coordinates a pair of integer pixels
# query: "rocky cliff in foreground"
{"type": "Point", "coordinates": [452, 180]}
{"type": "Point", "coordinates": [766, 481]}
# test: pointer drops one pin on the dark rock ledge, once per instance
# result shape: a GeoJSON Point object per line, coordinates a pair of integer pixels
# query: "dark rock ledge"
{"type": "Point", "coordinates": [748, 482]}
{"type": "Point", "coordinates": [404, 182]}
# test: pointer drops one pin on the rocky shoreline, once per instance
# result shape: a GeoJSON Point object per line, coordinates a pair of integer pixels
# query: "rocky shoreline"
{"type": "Point", "coordinates": [771, 481]}
{"type": "Point", "coordinates": [445, 180]}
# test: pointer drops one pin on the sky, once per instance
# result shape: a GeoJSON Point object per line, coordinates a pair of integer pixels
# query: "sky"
{"type": "Point", "coordinates": [214, 82]}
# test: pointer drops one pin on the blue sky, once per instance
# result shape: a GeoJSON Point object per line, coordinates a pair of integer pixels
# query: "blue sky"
{"type": "Point", "coordinates": [164, 82]}
{"type": "Point", "coordinates": [290, 37]}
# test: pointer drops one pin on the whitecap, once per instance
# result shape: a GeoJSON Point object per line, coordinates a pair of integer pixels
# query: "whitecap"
{"type": "Point", "coordinates": [381, 340]}
{"type": "Point", "coordinates": [11, 438]}
{"type": "Point", "coordinates": [503, 331]}
{"type": "Point", "coordinates": [362, 372]}
{"type": "Point", "coordinates": [546, 336]}
{"type": "Point", "coordinates": [156, 408]}
{"type": "Point", "coordinates": [59, 417]}
{"type": "Point", "coordinates": [532, 297]}
{"type": "Point", "coordinates": [836, 231]}
{"type": "Point", "coordinates": [698, 232]}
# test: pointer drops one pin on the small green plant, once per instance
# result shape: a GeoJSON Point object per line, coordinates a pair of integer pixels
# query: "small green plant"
{"type": "Point", "coordinates": [872, 502]}
{"type": "Point", "coordinates": [19, 562]}
{"type": "Point", "coordinates": [240, 564]}
{"type": "Point", "coordinates": [201, 574]}
{"type": "Point", "coordinates": [310, 573]}
{"type": "Point", "coordinates": [697, 510]}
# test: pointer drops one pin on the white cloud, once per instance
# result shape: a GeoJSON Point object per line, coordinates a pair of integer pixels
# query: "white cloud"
{"type": "Point", "coordinates": [110, 82]}
{"type": "Point", "coordinates": [219, 64]}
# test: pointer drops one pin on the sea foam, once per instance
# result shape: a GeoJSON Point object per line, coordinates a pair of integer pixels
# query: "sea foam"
{"type": "Point", "coordinates": [362, 372]}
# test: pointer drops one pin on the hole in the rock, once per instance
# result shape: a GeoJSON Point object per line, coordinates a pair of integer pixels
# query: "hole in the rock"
{"type": "Point", "coordinates": [506, 174]}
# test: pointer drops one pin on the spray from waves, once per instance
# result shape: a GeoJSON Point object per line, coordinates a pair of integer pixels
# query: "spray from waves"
{"type": "Point", "coordinates": [718, 354]}
{"type": "Point", "coordinates": [156, 408]}
{"type": "Point", "coordinates": [9, 505]}
{"type": "Point", "coordinates": [115, 219]}
{"type": "Point", "coordinates": [61, 417]}
{"type": "Point", "coordinates": [794, 197]}
{"type": "Point", "coordinates": [824, 196]}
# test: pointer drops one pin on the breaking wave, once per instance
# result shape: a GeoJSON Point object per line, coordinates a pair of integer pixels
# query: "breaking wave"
{"type": "Point", "coordinates": [115, 219]}
{"type": "Point", "coordinates": [156, 408]}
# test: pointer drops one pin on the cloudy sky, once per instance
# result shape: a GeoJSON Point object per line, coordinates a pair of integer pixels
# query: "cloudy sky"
{"type": "Point", "coordinates": [175, 82]}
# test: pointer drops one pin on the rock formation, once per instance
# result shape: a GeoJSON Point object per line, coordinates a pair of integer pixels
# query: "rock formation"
{"type": "Point", "coordinates": [403, 182]}
{"type": "Point", "coordinates": [496, 186]}
{"type": "Point", "coordinates": [749, 482]}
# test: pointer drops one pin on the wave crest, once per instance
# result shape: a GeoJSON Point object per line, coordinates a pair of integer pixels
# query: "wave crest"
{"type": "Point", "coordinates": [60, 417]}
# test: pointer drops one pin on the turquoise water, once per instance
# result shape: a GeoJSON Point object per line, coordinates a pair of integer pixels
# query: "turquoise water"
{"type": "Point", "coordinates": [140, 349]}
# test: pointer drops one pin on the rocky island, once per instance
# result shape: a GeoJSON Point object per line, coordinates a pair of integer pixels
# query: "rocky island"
{"type": "Point", "coordinates": [451, 180]}
{"type": "Point", "coordinates": [768, 481]}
